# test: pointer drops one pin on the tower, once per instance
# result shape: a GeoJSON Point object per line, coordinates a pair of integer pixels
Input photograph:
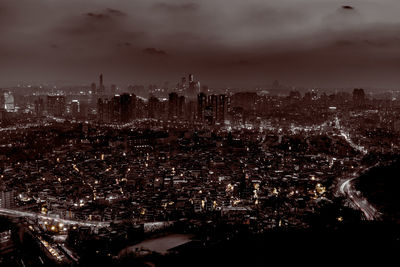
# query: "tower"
{"type": "Point", "coordinates": [194, 88]}
{"type": "Point", "coordinates": [201, 106]}
{"type": "Point", "coordinates": [113, 89]}
{"type": "Point", "coordinates": [93, 88]}
{"type": "Point", "coordinates": [101, 86]}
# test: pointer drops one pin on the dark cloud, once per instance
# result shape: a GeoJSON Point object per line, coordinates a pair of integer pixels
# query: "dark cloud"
{"type": "Point", "coordinates": [348, 7]}
{"type": "Point", "coordinates": [91, 23]}
{"type": "Point", "coordinates": [153, 51]}
{"type": "Point", "coordinates": [108, 12]}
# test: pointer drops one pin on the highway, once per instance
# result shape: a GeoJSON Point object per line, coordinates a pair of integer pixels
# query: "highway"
{"type": "Point", "coordinates": [346, 136]}
{"type": "Point", "coordinates": [346, 188]}
{"type": "Point", "coordinates": [32, 215]}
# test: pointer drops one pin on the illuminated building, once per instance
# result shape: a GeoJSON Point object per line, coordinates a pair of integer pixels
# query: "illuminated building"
{"type": "Point", "coordinates": [7, 199]}
{"type": "Point", "coordinates": [93, 88]}
{"type": "Point", "coordinates": [194, 88]}
{"type": "Point", "coordinates": [212, 108]}
{"type": "Point", "coordinates": [75, 108]}
{"type": "Point", "coordinates": [101, 88]}
{"type": "Point", "coordinates": [201, 105]}
{"type": "Point", "coordinates": [120, 108]}
{"type": "Point", "coordinates": [39, 107]}
{"type": "Point", "coordinates": [358, 97]}
{"type": "Point", "coordinates": [55, 105]}
{"type": "Point", "coordinates": [113, 89]}
{"type": "Point", "coordinates": [155, 108]}
{"type": "Point", "coordinates": [7, 101]}
{"type": "Point", "coordinates": [173, 105]}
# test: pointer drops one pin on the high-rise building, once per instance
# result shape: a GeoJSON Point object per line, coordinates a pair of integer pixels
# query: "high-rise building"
{"type": "Point", "coordinates": [93, 88]}
{"type": "Point", "coordinates": [7, 199]}
{"type": "Point", "coordinates": [155, 108]}
{"type": "Point", "coordinates": [119, 109]}
{"type": "Point", "coordinates": [183, 82]}
{"type": "Point", "coordinates": [83, 109]}
{"type": "Point", "coordinates": [176, 106]}
{"type": "Point", "coordinates": [39, 107]}
{"type": "Point", "coordinates": [102, 110]}
{"type": "Point", "coordinates": [113, 89]}
{"type": "Point", "coordinates": [181, 107]}
{"type": "Point", "coordinates": [7, 101]}
{"type": "Point", "coordinates": [245, 100]}
{"type": "Point", "coordinates": [201, 106]}
{"type": "Point", "coordinates": [101, 88]}
{"type": "Point", "coordinates": [213, 104]}
{"type": "Point", "coordinates": [194, 88]}
{"type": "Point", "coordinates": [212, 109]}
{"type": "Point", "coordinates": [126, 107]}
{"type": "Point", "coordinates": [173, 106]}
{"type": "Point", "coordinates": [190, 113]}
{"type": "Point", "coordinates": [358, 97]}
{"type": "Point", "coordinates": [55, 105]}
{"type": "Point", "coordinates": [75, 108]}
{"type": "Point", "coordinates": [221, 109]}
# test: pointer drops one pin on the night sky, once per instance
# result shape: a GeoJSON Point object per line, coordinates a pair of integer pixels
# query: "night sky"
{"type": "Point", "coordinates": [236, 43]}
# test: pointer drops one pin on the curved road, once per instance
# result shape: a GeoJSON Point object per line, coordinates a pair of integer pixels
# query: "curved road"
{"type": "Point", "coordinates": [347, 189]}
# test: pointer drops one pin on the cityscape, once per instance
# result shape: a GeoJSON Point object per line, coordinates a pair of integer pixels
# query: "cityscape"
{"type": "Point", "coordinates": [185, 169]}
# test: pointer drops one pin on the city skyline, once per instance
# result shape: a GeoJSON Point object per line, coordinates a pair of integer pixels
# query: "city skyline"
{"type": "Point", "coordinates": [231, 44]}
{"type": "Point", "coordinates": [199, 133]}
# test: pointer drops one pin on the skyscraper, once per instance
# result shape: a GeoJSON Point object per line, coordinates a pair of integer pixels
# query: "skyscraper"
{"type": "Point", "coordinates": [7, 100]}
{"type": "Point", "coordinates": [120, 108]}
{"type": "Point", "coordinates": [55, 105]}
{"type": "Point", "coordinates": [100, 90]}
{"type": "Point", "coordinates": [211, 109]}
{"type": "Point", "coordinates": [153, 107]}
{"type": "Point", "coordinates": [93, 88]}
{"type": "Point", "coordinates": [7, 199]}
{"type": "Point", "coordinates": [173, 106]}
{"type": "Point", "coordinates": [221, 109]}
{"type": "Point", "coordinates": [358, 97]}
{"type": "Point", "coordinates": [39, 107]}
{"type": "Point", "coordinates": [75, 108]}
{"type": "Point", "coordinates": [183, 82]}
{"type": "Point", "coordinates": [113, 89]}
{"type": "Point", "coordinates": [194, 88]}
{"type": "Point", "coordinates": [201, 105]}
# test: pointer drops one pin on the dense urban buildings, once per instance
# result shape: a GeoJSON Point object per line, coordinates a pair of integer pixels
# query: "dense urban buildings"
{"type": "Point", "coordinates": [86, 167]}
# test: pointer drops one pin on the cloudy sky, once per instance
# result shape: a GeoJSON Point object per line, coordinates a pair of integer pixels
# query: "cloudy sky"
{"type": "Point", "coordinates": [233, 43]}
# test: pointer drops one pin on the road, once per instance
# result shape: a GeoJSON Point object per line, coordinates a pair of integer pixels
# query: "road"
{"type": "Point", "coordinates": [346, 188]}
{"type": "Point", "coordinates": [346, 136]}
{"type": "Point", "coordinates": [32, 215]}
